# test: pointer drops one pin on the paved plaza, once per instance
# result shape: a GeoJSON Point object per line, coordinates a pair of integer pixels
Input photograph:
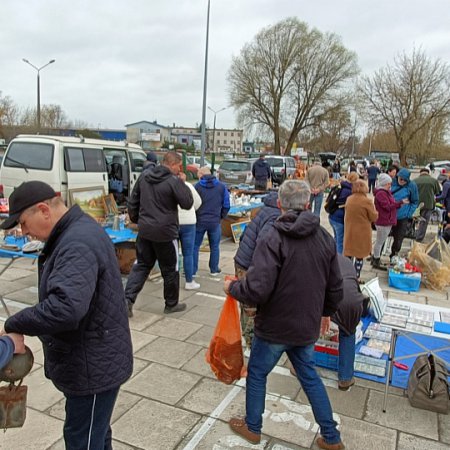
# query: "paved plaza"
{"type": "Point", "coordinates": [173, 400]}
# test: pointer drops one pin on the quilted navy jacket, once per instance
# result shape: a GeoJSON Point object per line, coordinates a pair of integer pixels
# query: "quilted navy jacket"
{"type": "Point", "coordinates": [81, 316]}
{"type": "Point", "coordinates": [267, 215]}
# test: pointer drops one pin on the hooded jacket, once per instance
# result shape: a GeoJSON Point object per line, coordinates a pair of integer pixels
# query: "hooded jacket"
{"type": "Point", "coordinates": [294, 280]}
{"type": "Point", "coordinates": [261, 169]}
{"type": "Point", "coordinates": [81, 317]}
{"type": "Point", "coordinates": [215, 201]}
{"type": "Point", "coordinates": [409, 191]}
{"type": "Point", "coordinates": [344, 193]}
{"type": "Point", "coordinates": [153, 204]}
{"type": "Point", "coordinates": [265, 217]}
{"type": "Point", "coordinates": [387, 207]}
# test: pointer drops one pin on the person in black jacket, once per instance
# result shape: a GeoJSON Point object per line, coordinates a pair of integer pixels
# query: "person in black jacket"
{"type": "Point", "coordinates": [153, 205]}
{"type": "Point", "coordinates": [81, 317]}
{"type": "Point", "coordinates": [258, 227]}
{"type": "Point", "coordinates": [288, 318]}
{"type": "Point", "coordinates": [261, 172]}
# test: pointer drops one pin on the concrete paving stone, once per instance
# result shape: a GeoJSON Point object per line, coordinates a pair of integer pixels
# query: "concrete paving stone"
{"type": "Point", "coordinates": [170, 387]}
{"type": "Point", "coordinates": [156, 306]}
{"type": "Point", "coordinates": [444, 428]}
{"type": "Point", "coordinates": [139, 365]}
{"type": "Point", "coordinates": [401, 416]}
{"type": "Point", "coordinates": [151, 425]}
{"type": "Point", "coordinates": [203, 298]}
{"type": "Point", "coordinates": [203, 315]}
{"type": "Point", "coordinates": [358, 434]}
{"type": "Point", "coordinates": [16, 274]}
{"type": "Point", "coordinates": [442, 303]}
{"type": "Point", "coordinates": [141, 339]}
{"type": "Point", "coordinates": [142, 320]}
{"type": "Point", "coordinates": [369, 384]}
{"type": "Point", "coordinates": [10, 286]}
{"type": "Point", "coordinates": [431, 293]}
{"type": "Point", "coordinates": [115, 444]}
{"type": "Point", "coordinates": [283, 385]}
{"type": "Point", "coordinates": [410, 442]}
{"type": "Point", "coordinates": [220, 437]}
{"type": "Point", "coordinates": [28, 295]}
{"type": "Point", "coordinates": [39, 432]}
{"type": "Point", "coordinates": [168, 351]}
{"type": "Point", "coordinates": [198, 365]}
{"type": "Point", "coordinates": [41, 392]}
{"type": "Point", "coordinates": [202, 336]}
{"type": "Point", "coordinates": [173, 328]}
{"type": "Point", "coordinates": [276, 444]}
{"type": "Point", "coordinates": [205, 396]}
{"type": "Point", "coordinates": [351, 403]}
{"type": "Point", "coordinates": [413, 297]}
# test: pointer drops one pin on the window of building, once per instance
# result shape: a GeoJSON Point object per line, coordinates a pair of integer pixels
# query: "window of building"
{"type": "Point", "coordinates": [218, 133]}
{"type": "Point", "coordinates": [225, 141]}
{"type": "Point", "coordinates": [218, 141]}
{"type": "Point", "coordinates": [232, 134]}
{"type": "Point", "coordinates": [224, 133]}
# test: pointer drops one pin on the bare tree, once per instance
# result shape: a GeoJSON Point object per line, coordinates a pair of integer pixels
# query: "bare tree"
{"type": "Point", "coordinates": [288, 77]}
{"type": "Point", "coordinates": [410, 97]}
{"type": "Point", "coordinates": [9, 111]}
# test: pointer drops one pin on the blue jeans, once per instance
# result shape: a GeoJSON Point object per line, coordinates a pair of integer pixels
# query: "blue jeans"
{"type": "Point", "coordinates": [316, 200]}
{"type": "Point", "coordinates": [214, 233]}
{"type": "Point", "coordinates": [338, 229]}
{"type": "Point", "coordinates": [88, 417]}
{"type": "Point", "coordinates": [346, 356]}
{"type": "Point", "coordinates": [187, 239]}
{"type": "Point", "coordinates": [263, 358]}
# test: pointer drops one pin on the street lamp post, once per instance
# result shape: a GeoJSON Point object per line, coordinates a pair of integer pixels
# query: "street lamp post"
{"type": "Point", "coordinates": [214, 126]}
{"type": "Point", "coordinates": [38, 69]}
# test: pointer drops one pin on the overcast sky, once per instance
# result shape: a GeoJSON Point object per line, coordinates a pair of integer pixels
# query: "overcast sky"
{"type": "Point", "coordinates": [119, 62]}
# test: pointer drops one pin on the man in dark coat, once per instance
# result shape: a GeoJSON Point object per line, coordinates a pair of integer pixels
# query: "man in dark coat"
{"type": "Point", "coordinates": [261, 172]}
{"type": "Point", "coordinates": [81, 316]}
{"type": "Point", "coordinates": [288, 318]}
{"type": "Point", "coordinates": [153, 205]}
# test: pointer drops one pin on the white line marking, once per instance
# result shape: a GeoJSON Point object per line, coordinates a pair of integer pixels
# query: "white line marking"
{"type": "Point", "coordinates": [214, 415]}
{"type": "Point", "coordinates": [217, 297]}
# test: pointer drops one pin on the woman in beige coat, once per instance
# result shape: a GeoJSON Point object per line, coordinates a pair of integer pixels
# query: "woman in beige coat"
{"type": "Point", "coordinates": [360, 213]}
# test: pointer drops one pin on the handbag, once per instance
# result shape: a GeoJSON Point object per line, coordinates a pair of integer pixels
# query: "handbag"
{"type": "Point", "coordinates": [428, 384]}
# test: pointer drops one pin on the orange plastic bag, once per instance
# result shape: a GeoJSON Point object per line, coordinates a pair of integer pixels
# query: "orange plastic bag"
{"type": "Point", "coordinates": [225, 355]}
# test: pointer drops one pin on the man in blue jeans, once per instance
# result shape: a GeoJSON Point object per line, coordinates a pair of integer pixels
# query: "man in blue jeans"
{"type": "Point", "coordinates": [215, 206]}
{"type": "Point", "coordinates": [288, 319]}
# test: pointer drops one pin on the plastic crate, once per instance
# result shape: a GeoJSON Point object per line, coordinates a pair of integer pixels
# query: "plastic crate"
{"type": "Point", "coordinates": [405, 281]}
{"type": "Point", "coordinates": [326, 360]}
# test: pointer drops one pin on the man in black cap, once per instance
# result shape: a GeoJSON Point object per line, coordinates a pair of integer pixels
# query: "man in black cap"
{"type": "Point", "coordinates": [81, 317]}
{"type": "Point", "coordinates": [151, 161]}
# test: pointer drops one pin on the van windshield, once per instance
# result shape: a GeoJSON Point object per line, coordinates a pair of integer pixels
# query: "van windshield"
{"type": "Point", "coordinates": [275, 162]}
{"type": "Point", "coordinates": [29, 155]}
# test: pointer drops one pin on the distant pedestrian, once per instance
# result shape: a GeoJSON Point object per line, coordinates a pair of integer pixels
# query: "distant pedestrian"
{"type": "Point", "coordinates": [215, 206]}
{"type": "Point", "coordinates": [352, 167]}
{"type": "Point", "coordinates": [372, 173]}
{"type": "Point", "coordinates": [336, 169]}
{"type": "Point", "coordinates": [261, 172]}
{"type": "Point", "coordinates": [360, 213]}
{"type": "Point", "coordinates": [392, 171]}
{"type": "Point", "coordinates": [428, 188]}
{"type": "Point", "coordinates": [151, 160]}
{"type": "Point", "coordinates": [187, 219]}
{"type": "Point", "coordinates": [318, 179]}
{"type": "Point", "coordinates": [288, 319]}
{"type": "Point", "coordinates": [153, 205]}
{"type": "Point", "coordinates": [81, 316]}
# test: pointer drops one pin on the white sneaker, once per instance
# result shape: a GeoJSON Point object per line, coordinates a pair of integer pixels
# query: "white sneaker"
{"type": "Point", "coordinates": [192, 285]}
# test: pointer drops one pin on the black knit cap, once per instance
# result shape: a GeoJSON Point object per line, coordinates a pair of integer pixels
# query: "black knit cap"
{"type": "Point", "coordinates": [24, 196]}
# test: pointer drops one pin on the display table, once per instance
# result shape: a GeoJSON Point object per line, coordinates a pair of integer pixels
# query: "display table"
{"type": "Point", "coordinates": [239, 213]}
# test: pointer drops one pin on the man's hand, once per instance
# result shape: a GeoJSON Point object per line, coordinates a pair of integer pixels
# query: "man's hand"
{"type": "Point", "coordinates": [325, 325]}
{"type": "Point", "coordinates": [19, 342]}
{"type": "Point", "coordinates": [405, 201]}
{"type": "Point", "coordinates": [226, 286]}
{"type": "Point", "coordinates": [182, 176]}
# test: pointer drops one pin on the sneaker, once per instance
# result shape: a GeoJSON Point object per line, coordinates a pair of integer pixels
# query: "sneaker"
{"type": "Point", "coordinates": [216, 274]}
{"type": "Point", "coordinates": [173, 309]}
{"type": "Point", "coordinates": [240, 427]}
{"type": "Point", "coordinates": [130, 309]}
{"type": "Point", "coordinates": [189, 286]}
{"type": "Point", "coordinates": [320, 441]}
{"type": "Point", "coordinates": [346, 385]}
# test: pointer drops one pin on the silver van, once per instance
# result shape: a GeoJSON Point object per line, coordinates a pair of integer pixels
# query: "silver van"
{"type": "Point", "coordinates": [67, 163]}
{"type": "Point", "coordinates": [283, 167]}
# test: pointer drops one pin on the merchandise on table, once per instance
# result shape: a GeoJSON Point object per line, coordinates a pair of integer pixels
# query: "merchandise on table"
{"type": "Point", "coordinates": [396, 311]}
{"type": "Point", "coordinates": [378, 344]}
{"type": "Point", "coordinates": [370, 351]}
{"type": "Point", "coordinates": [395, 321]}
{"type": "Point", "coordinates": [445, 317]}
{"type": "Point", "coordinates": [418, 328]}
{"type": "Point", "coordinates": [369, 365]}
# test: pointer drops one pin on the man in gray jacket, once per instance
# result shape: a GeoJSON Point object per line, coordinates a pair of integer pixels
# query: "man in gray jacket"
{"type": "Point", "coordinates": [153, 205]}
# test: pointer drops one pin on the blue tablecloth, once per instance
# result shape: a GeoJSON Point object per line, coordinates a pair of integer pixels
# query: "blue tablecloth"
{"type": "Point", "coordinates": [240, 209]}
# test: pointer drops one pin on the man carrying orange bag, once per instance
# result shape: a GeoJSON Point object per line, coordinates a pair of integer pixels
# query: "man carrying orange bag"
{"type": "Point", "coordinates": [294, 280]}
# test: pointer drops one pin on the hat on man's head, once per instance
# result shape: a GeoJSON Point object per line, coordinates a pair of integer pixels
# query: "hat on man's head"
{"type": "Point", "coordinates": [25, 196]}
{"type": "Point", "coordinates": [384, 179]}
{"type": "Point", "coordinates": [151, 156]}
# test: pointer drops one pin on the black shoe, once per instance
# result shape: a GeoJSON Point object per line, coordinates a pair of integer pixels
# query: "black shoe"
{"type": "Point", "coordinates": [130, 309]}
{"type": "Point", "coordinates": [173, 309]}
{"type": "Point", "coordinates": [377, 264]}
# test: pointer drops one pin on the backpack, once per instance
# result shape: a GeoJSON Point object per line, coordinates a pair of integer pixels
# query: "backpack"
{"type": "Point", "coordinates": [331, 203]}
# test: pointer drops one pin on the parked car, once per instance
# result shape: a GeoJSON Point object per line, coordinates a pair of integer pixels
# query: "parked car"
{"type": "Point", "coordinates": [282, 167]}
{"type": "Point", "coordinates": [236, 171]}
{"type": "Point", "coordinates": [440, 171]}
{"type": "Point", "coordinates": [191, 159]}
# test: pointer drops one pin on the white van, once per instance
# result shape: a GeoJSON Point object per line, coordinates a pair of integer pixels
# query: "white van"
{"type": "Point", "coordinates": [72, 163]}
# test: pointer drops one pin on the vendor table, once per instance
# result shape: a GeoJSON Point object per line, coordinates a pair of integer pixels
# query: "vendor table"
{"type": "Point", "coordinates": [436, 343]}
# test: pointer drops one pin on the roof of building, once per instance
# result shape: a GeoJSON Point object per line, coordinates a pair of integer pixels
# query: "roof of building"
{"type": "Point", "coordinates": [146, 121]}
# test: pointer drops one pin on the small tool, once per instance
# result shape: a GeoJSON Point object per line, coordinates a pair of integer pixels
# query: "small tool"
{"type": "Point", "coordinates": [401, 366]}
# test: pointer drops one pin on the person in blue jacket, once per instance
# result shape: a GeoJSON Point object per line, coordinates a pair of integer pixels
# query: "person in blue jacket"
{"type": "Point", "coordinates": [215, 206]}
{"type": "Point", "coordinates": [9, 345]}
{"type": "Point", "coordinates": [403, 189]}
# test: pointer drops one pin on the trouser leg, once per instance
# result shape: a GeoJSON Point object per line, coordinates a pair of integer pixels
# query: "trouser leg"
{"type": "Point", "coordinates": [398, 234]}
{"type": "Point", "coordinates": [167, 255]}
{"type": "Point", "coordinates": [145, 260]}
{"type": "Point", "coordinates": [425, 215]}
{"type": "Point", "coordinates": [382, 235]}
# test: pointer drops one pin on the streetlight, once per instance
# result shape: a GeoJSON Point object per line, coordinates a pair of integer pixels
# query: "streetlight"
{"type": "Point", "coordinates": [38, 69]}
{"type": "Point", "coordinates": [214, 126]}
{"type": "Point", "coordinates": [205, 83]}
